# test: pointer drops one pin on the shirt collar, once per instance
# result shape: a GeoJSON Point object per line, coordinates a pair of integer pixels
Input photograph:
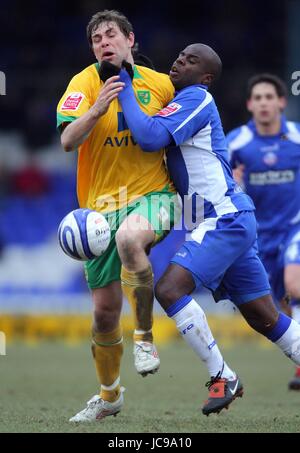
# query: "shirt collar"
{"type": "Point", "coordinates": [205, 87]}
{"type": "Point", "coordinates": [197, 85]}
{"type": "Point", "coordinates": [136, 74]}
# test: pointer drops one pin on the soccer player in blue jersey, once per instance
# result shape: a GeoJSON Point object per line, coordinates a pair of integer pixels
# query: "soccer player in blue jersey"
{"type": "Point", "coordinates": [265, 155]}
{"type": "Point", "coordinates": [220, 251]}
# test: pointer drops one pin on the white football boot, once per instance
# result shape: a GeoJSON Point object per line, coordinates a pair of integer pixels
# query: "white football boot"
{"type": "Point", "coordinates": [146, 358]}
{"type": "Point", "coordinates": [97, 408]}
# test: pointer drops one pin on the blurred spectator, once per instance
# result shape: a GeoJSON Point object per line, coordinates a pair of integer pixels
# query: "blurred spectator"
{"type": "Point", "coordinates": [30, 181]}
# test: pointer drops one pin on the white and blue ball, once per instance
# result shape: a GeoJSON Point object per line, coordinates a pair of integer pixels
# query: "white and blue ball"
{"type": "Point", "coordinates": [84, 234]}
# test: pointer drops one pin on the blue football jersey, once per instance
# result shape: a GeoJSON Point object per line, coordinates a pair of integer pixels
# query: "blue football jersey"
{"type": "Point", "coordinates": [271, 178]}
{"type": "Point", "coordinates": [198, 158]}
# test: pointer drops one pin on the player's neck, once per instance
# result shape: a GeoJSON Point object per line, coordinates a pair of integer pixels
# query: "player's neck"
{"type": "Point", "coordinates": [130, 60]}
{"type": "Point", "coordinates": [272, 128]}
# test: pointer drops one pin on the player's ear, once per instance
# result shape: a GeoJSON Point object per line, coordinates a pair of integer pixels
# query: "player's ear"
{"type": "Point", "coordinates": [249, 105]}
{"type": "Point", "coordinates": [207, 79]}
{"type": "Point", "coordinates": [131, 39]}
{"type": "Point", "coordinates": [282, 103]}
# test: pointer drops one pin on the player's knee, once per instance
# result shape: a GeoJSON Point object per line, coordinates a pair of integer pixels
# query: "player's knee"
{"type": "Point", "coordinates": [127, 243]}
{"type": "Point", "coordinates": [263, 322]}
{"type": "Point", "coordinates": [166, 293]}
{"type": "Point", "coordinates": [105, 319]}
{"type": "Point", "coordinates": [261, 314]}
{"type": "Point", "coordinates": [262, 326]}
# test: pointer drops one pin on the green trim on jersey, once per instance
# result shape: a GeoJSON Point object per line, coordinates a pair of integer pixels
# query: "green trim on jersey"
{"type": "Point", "coordinates": [136, 74]}
{"type": "Point", "coordinates": [64, 119]}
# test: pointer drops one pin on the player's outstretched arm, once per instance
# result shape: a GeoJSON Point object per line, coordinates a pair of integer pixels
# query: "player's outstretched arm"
{"type": "Point", "coordinates": [77, 132]}
{"type": "Point", "coordinates": [150, 134]}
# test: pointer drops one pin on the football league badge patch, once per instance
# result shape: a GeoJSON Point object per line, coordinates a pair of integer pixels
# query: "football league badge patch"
{"type": "Point", "coordinates": [170, 109]}
{"type": "Point", "coordinates": [73, 101]}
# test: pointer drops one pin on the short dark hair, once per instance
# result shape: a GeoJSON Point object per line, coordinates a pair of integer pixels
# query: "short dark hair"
{"type": "Point", "coordinates": [108, 16]}
{"type": "Point", "coordinates": [274, 80]}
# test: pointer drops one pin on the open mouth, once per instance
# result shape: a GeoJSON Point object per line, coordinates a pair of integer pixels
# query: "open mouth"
{"type": "Point", "coordinates": [173, 71]}
{"type": "Point", "coordinates": [107, 54]}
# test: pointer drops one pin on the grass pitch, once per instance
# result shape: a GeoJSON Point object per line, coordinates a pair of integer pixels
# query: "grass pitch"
{"type": "Point", "coordinates": [43, 385]}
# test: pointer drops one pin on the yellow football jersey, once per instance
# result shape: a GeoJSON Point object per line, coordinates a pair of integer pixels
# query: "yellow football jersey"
{"type": "Point", "coordinates": [112, 168]}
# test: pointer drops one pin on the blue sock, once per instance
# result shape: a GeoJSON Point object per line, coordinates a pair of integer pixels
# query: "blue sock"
{"type": "Point", "coordinates": [178, 305]}
{"type": "Point", "coordinates": [280, 327]}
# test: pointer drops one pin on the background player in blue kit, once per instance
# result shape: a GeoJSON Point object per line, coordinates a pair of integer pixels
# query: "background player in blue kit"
{"type": "Point", "coordinates": [220, 252]}
{"type": "Point", "coordinates": [265, 155]}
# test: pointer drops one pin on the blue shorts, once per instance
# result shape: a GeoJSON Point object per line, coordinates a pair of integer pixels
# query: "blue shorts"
{"type": "Point", "coordinates": [287, 253]}
{"type": "Point", "coordinates": [222, 256]}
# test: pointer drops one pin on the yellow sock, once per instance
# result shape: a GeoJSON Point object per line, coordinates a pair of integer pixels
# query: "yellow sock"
{"type": "Point", "coordinates": [107, 351]}
{"type": "Point", "coordinates": [138, 288]}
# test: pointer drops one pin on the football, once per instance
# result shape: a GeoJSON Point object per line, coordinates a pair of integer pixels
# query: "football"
{"type": "Point", "coordinates": [84, 234]}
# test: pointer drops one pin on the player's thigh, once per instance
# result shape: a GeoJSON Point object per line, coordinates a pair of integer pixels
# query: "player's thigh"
{"type": "Point", "coordinates": [159, 211]}
{"type": "Point", "coordinates": [214, 246]}
{"type": "Point", "coordinates": [134, 233]}
{"type": "Point", "coordinates": [246, 279]}
{"type": "Point", "coordinates": [149, 219]}
{"type": "Point", "coordinates": [103, 270]}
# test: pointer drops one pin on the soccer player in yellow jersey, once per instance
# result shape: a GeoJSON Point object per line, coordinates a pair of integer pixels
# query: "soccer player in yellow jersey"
{"type": "Point", "coordinates": [130, 187]}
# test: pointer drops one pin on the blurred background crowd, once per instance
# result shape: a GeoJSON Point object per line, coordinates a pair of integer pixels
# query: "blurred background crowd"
{"type": "Point", "coordinates": [42, 45]}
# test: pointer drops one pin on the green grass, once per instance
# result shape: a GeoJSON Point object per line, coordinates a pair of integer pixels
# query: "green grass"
{"type": "Point", "coordinates": [42, 386]}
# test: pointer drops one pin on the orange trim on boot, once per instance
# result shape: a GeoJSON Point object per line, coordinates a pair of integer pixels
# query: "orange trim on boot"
{"type": "Point", "coordinates": [217, 390]}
